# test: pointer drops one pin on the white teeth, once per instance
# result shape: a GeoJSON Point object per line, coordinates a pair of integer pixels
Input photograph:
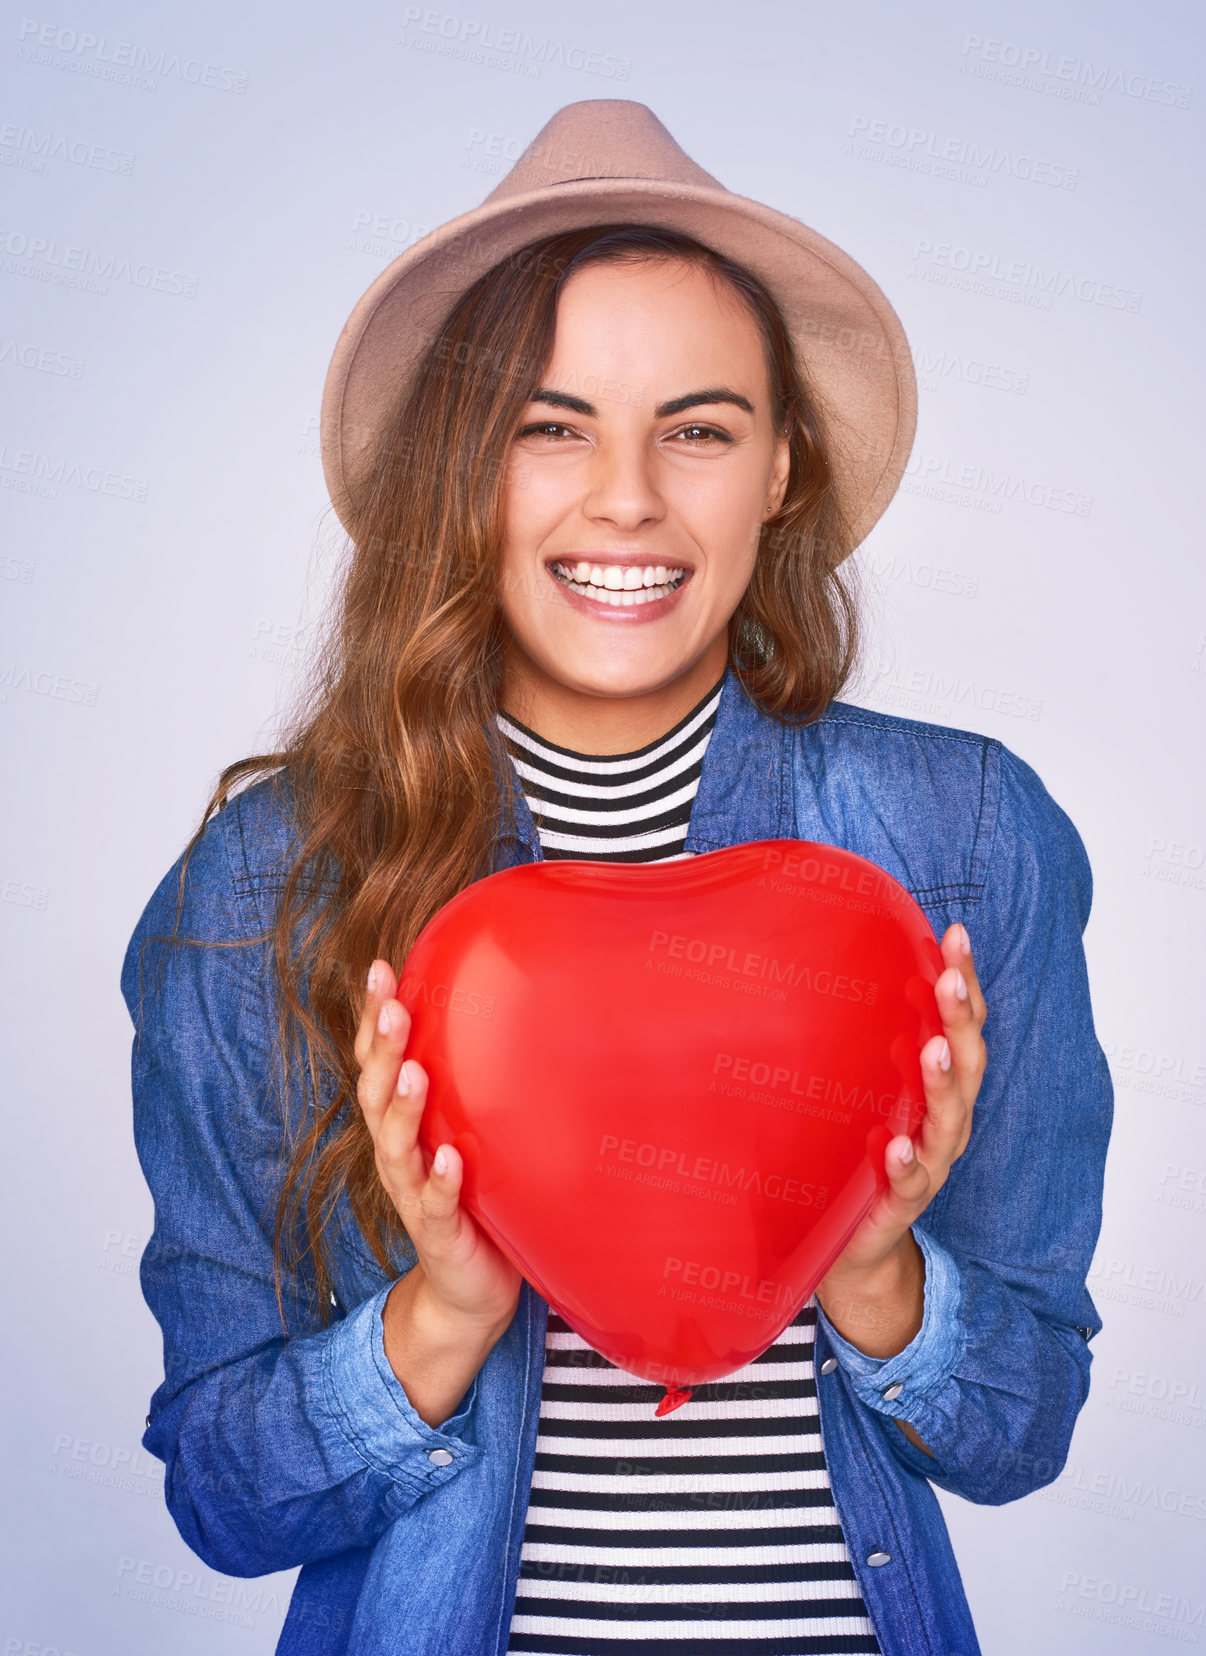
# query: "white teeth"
{"type": "Point", "coordinates": [621, 577]}
{"type": "Point", "coordinates": [620, 585]}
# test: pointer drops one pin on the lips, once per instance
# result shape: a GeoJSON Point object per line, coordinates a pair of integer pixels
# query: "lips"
{"type": "Point", "coordinates": [618, 586]}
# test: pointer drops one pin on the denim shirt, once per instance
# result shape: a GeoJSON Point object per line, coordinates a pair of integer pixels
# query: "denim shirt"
{"type": "Point", "coordinates": [306, 1451]}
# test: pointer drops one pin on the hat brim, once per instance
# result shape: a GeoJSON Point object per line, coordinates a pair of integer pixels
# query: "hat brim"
{"type": "Point", "coordinates": [849, 342]}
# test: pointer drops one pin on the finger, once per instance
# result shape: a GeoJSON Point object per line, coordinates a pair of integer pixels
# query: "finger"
{"type": "Point", "coordinates": [396, 1135]}
{"type": "Point", "coordinates": [963, 1030]}
{"type": "Point", "coordinates": [381, 986]}
{"type": "Point", "coordinates": [443, 1186]}
{"type": "Point", "coordinates": [911, 1180]}
{"type": "Point", "coordinates": [948, 1114]}
{"type": "Point", "coordinates": [435, 1216]}
{"type": "Point", "coordinates": [957, 952]}
{"type": "Point", "coordinates": [962, 1008]}
{"type": "Point", "coordinates": [962, 1027]}
{"type": "Point", "coordinates": [380, 1073]}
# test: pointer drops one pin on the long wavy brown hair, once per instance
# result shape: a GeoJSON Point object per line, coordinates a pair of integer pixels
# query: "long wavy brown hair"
{"type": "Point", "coordinates": [391, 752]}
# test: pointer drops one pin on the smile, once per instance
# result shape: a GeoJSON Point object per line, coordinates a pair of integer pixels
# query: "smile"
{"type": "Point", "coordinates": [621, 586]}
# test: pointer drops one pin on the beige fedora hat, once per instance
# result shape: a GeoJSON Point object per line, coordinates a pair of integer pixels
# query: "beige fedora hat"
{"type": "Point", "coordinates": [607, 160]}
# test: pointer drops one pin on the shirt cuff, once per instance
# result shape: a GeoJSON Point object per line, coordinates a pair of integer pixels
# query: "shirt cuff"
{"type": "Point", "coordinates": [925, 1365]}
{"type": "Point", "coordinates": [372, 1409]}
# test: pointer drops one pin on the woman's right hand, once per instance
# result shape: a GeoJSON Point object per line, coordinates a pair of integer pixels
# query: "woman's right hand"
{"type": "Point", "coordinates": [463, 1284]}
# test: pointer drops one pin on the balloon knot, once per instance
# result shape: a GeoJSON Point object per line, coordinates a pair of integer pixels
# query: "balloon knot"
{"type": "Point", "coordinates": [674, 1398]}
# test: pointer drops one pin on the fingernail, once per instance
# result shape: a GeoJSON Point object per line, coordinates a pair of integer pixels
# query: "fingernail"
{"type": "Point", "coordinates": [384, 1019]}
{"type": "Point", "coordinates": [440, 1161]}
{"type": "Point", "coordinates": [964, 940]}
{"type": "Point", "coordinates": [373, 975]}
{"type": "Point", "coordinates": [403, 1082]}
{"type": "Point", "coordinates": [944, 1056]}
{"type": "Point", "coordinates": [906, 1150]}
{"type": "Point", "coordinates": [960, 986]}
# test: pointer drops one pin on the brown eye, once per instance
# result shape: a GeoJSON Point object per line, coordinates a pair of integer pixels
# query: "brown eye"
{"type": "Point", "coordinates": [708, 431]}
{"type": "Point", "coordinates": [542, 428]}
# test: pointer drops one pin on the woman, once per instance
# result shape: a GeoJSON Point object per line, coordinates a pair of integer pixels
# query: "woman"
{"type": "Point", "coordinates": [599, 480]}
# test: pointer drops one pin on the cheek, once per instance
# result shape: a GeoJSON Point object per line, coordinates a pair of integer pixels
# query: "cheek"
{"type": "Point", "coordinates": [731, 490]}
{"type": "Point", "coordinates": [526, 524]}
{"type": "Point", "coordinates": [726, 521]}
{"type": "Point", "coordinates": [735, 574]}
{"type": "Point", "coordinates": [513, 514]}
{"type": "Point", "coordinates": [534, 498]}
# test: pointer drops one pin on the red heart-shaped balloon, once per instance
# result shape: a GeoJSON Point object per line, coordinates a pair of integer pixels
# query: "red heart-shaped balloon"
{"type": "Point", "coordinates": [672, 1083]}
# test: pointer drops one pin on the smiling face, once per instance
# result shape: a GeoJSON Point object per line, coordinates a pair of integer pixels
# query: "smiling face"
{"type": "Point", "coordinates": [642, 472]}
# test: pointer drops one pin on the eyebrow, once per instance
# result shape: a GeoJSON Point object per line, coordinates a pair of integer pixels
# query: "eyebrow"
{"type": "Point", "coordinates": [692, 399]}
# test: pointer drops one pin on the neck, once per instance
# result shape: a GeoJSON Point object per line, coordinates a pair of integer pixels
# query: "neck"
{"type": "Point", "coordinates": [601, 724]}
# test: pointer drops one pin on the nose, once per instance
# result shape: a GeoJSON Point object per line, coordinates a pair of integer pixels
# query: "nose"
{"type": "Point", "coordinates": [622, 489]}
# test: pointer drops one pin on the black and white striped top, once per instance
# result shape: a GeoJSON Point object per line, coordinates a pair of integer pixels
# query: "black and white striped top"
{"type": "Point", "coordinates": [627, 807]}
{"type": "Point", "coordinates": [712, 1528]}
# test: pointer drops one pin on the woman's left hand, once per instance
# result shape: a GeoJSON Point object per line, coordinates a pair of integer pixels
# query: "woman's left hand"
{"type": "Point", "coordinates": [917, 1169]}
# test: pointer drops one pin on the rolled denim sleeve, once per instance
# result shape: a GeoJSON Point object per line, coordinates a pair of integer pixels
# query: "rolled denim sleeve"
{"type": "Point", "coordinates": [996, 1376]}
{"type": "Point", "coordinates": [926, 1364]}
{"type": "Point", "coordinates": [282, 1445]}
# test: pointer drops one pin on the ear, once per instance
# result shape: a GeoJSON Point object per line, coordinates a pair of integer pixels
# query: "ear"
{"type": "Point", "coordinates": [780, 467]}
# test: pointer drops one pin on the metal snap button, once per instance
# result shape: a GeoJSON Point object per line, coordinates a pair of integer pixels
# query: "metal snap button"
{"type": "Point", "coordinates": [879, 1557]}
{"type": "Point", "coordinates": [893, 1391]}
{"type": "Point", "coordinates": [148, 1420]}
{"type": "Point", "coordinates": [439, 1457]}
{"type": "Point", "coordinates": [828, 1366]}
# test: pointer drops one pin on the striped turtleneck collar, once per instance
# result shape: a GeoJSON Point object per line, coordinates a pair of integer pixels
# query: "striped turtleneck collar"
{"type": "Point", "coordinates": [621, 807]}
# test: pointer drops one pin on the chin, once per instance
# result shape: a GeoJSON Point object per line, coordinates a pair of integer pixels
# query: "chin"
{"type": "Point", "coordinates": [612, 678]}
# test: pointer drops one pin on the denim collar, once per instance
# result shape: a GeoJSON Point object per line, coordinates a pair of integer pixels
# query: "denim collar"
{"type": "Point", "coordinates": [744, 788]}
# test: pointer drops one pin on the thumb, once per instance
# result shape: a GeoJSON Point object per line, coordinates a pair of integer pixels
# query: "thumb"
{"type": "Point", "coordinates": [440, 1196]}
{"type": "Point", "coordinates": [908, 1175]}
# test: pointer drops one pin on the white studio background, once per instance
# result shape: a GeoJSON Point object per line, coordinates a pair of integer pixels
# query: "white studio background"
{"type": "Point", "coordinates": [1021, 180]}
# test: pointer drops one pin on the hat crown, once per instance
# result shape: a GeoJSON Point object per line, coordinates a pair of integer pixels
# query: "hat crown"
{"type": "Point", "coordinates": [606, 161]}
{"type": "Point", "coordinates": [601, 138]}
